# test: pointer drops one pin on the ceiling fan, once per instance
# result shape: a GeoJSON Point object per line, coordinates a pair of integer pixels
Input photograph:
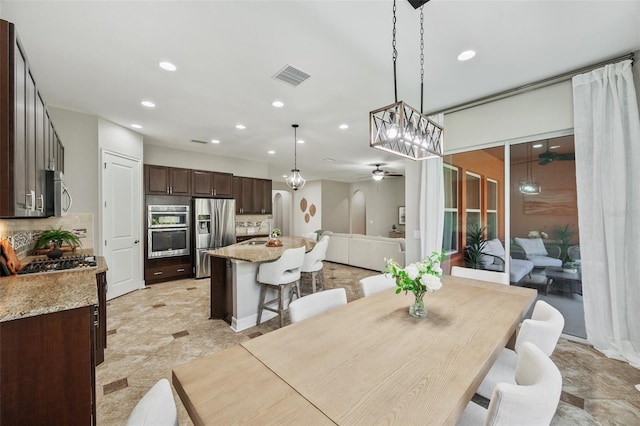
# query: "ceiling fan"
{"type": "Point", "coordinates": [379, 174]}
{"type": "Point", "coordinates": [548, 156]}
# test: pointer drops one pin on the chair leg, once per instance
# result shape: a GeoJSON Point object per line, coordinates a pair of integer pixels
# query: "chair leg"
{"type": "Point", "coordinates": [321, 278]}
{"type": "Point", "coordinates": [263, 294]}
{"type": "Point", "coordinates": [313, 282]}
{"type": "Point", "coordinates": [294, 286]}
{"type": "Point", "coordinates": [280, 305]}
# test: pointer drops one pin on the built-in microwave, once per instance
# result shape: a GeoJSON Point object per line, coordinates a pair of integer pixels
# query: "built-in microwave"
{"type": "Point", "coordinates": [167, 216]}
{"type": "Point", "coordinates": [168, 242]}
{"type": "Point", "coordinates": [58, 199]}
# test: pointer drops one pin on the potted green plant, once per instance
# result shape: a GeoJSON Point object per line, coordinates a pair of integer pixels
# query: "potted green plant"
{"type": "Point", "coordinates": [394, 228]}
{"type": "Point", "coordinates": [55, 238]}
{"type": "Point", "coordinates": [476, 242]}
{"type": "Point", "coordinates": [564, 234]}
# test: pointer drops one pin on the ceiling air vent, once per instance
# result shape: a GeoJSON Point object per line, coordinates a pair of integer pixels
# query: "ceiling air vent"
{"type": "Point", "coordinates": [291, 75]}
{"type": "Point", "coordinates": [198, 141]}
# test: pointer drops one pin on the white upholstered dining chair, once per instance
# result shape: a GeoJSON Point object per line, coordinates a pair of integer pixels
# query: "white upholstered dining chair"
{"type": "Point", "coordinates": [279, 275]}
{"type": "Point", "coordinates": [543, 330]}
{"type": "Point", "coordinates": [313, 262]}
{"type": "Point", "coordinates": [316, 303]}
{"type": "Point", "coordinates": [480, 274]}
{"type": "Point", "coordinates": [156, 408]}
{"type": "Point", "coordinates": [376, 283]}
{"type": "Point", "coordinates": [532, 400]}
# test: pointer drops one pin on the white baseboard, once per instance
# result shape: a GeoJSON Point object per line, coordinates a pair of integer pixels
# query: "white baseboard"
{"type": "Point", "coordinates": [250, 321]}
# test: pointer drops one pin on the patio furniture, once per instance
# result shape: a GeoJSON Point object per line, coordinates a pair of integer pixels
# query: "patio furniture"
{"type": "Point", "coordinates": [536, 252]}
{"type": "Point", "coordinates": [493, 260]}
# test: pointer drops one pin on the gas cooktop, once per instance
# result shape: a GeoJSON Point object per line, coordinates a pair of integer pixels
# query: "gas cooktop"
{"type": "Point", "coordinates": [62, 264]}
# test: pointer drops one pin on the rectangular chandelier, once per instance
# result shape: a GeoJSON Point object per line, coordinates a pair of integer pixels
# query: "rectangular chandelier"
{"type": "Point", "coordinates": [400, 129]}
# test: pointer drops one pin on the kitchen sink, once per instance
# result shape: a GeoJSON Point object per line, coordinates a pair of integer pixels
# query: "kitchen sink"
{"type": "Point", "coordinates": [254, 243]}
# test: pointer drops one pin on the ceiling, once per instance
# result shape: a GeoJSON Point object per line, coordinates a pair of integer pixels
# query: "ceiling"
{"type": "Point", "coordinates": [102, 58]}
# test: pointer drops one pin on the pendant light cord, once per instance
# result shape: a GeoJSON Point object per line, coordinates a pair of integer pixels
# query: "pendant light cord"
{"type": "Point", "coordinates": [295, 146]}
{"type": "Point", "coordinates": [395, 53]}
{"type": "Point", "coordinates": [421, 58]}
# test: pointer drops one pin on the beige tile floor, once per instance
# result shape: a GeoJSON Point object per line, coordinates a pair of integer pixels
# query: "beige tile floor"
{"type": "Point", "coordinates": [153, 330]}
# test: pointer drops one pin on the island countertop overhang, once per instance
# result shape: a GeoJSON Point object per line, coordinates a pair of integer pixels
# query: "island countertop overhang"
{"type": "Point", "coordinates": [249, 252]}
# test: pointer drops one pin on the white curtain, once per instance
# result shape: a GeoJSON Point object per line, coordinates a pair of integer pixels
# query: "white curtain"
{"type": "Point", "coordinates": [431, 206]}
{"type": "Point", "coordinates": [607, 142]}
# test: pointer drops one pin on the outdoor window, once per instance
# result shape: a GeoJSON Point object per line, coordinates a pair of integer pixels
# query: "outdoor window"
{"type": "Point", "coordinates": [450, 239]}
{"type": "Point", "coordinates": [492, 209]}
{"type": "Point", "coordinates": [473, 211]}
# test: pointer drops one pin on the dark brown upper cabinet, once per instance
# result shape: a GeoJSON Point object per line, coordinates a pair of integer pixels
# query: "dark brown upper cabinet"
{"type": "Point", "coordinates": [162, 180]}
{"type": "Point", "coordinates": [26, 133]}
{"type": "Point", "coordinates": [211, 184]}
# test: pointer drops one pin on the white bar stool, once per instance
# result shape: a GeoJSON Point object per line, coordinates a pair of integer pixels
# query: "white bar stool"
{"type": "Point", "coordinates": [279, 275]}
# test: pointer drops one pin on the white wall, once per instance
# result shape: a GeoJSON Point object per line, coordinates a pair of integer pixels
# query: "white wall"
{"type": "Point", "coordinates": [335, 206]}
{"type": "Point", "coordinates": [383, 199]}
{"type": "Point", "coordinates": [312, 193]}
{"type": "Point", "coordinates": [115, 138]}
{"type": "Point", "coordinates": [163, 156]}
{"type": "Point", "coordinates": [79, 135]}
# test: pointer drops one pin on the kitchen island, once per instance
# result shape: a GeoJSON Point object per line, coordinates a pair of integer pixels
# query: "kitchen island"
{"type": "Point", "coordinates": [234, 290]}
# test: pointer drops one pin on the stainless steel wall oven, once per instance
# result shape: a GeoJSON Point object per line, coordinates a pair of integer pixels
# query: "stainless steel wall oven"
{"type": "Point", "coordinates": [168, 230]}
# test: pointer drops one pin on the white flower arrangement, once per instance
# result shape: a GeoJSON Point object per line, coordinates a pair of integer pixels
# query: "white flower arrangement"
{"type": "Point", "coordinates": [419, 277]}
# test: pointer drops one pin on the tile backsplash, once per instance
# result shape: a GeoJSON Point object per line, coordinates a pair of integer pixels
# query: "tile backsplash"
{"type": "Point", "coordinates": [22, 233]}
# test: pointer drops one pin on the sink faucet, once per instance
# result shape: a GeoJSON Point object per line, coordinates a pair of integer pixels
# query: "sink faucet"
{"type": "Point", "coordinates": [268, 223]}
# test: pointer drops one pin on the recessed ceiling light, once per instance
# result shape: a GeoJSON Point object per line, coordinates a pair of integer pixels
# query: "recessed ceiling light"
{"type": "Point", "coordinates": [300, 140]}
{"type": "Point", "coordinates": [215, 141]}
{"type": "Point", "coordinates": [271, 151]}
{"type": "Point", "coordinates": [277, 104]}
{"type": "Point", "coordinates": [538, 145]}
{"type": "Point", "coordinates": [284, 176]}
{"type": "Point", "coordinates": [344, 126]}
{"type": "Point", "coordinates": [466, 55]}
{"type": "Point", "coordinates": [148, 104]}
{"type": "Point", "coordinates": [240, 126]}
{"type": "Point", "coordinates": [168, 66]}
{"type": "Point", "coordinates": [136, 126]}
{"type": "Point", "coordinates": [554, 147]}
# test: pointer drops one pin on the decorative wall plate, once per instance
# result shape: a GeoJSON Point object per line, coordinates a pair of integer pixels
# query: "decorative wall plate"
{"type": "Point", "coordinates": [312, 210]}
{"type": "Point", "coordinates": [303, 204]}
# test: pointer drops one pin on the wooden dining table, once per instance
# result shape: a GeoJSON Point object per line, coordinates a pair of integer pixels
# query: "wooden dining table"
{"type": "Point", "coordinates": [367, 362]}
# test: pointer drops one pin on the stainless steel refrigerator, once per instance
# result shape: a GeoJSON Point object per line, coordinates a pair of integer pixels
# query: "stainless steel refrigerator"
{"type": "Point", "coordinates": [215, 227]}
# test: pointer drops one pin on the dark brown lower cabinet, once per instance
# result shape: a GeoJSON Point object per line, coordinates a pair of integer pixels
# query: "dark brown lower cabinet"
{"type": "Point", "coordinates": [167, 269]}
{"type": "Point", "coordinates": [47, 373]}
{"type": "Point", "coordinates": [101, 320]}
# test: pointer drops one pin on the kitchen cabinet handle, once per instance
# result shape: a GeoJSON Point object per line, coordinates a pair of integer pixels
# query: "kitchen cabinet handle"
{"type": "Point", "coordinates": [168, 190]}
{"type": "Point", "coordinates": [32, 196]}
{"type": "Point", "coordinates": [180, 270]}
{"type": "Point", "coordinates": [41, 208]}
{"type": "Point", "coordinates": [157, 273]}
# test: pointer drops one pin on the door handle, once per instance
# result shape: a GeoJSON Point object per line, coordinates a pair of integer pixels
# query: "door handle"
{"type": "Point", "coordinates": [136, 241]}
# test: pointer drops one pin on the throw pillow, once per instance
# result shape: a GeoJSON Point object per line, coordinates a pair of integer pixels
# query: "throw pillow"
{"type": "Point", "coordinates": [532, 246]}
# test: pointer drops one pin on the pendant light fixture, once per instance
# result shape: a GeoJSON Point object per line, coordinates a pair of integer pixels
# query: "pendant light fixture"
{"type": "Point", "coordinates": [295, 181]}
{"type": "Point", "coordinates": [529, 186]}
{"type": "Point", "coordinates": [401, 129]}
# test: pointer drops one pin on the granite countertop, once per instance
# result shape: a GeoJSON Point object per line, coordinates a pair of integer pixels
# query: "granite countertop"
{"type": "Point", "coordinates": [260, 253]}
{"type": "Point", "coordinates": [29, 295]}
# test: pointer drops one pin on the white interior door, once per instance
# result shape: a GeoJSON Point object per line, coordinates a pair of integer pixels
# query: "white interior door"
{"type": "Point", "coordinates": [121, 223]}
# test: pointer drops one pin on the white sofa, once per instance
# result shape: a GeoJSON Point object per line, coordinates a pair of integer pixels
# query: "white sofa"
{"type": "Point", "coordinates": [365, 251]}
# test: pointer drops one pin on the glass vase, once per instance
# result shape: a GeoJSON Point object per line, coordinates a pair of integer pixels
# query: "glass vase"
{"type": "Point", "coordinates": [417, 309]}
